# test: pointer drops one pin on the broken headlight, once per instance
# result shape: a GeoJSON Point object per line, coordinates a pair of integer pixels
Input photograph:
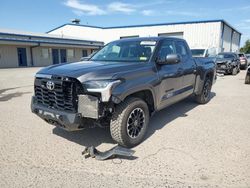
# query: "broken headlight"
{"type": "Point", "coordinates": [101, 86]}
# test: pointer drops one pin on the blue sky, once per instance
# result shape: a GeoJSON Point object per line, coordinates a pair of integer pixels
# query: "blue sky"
{"type": "Point", "coordinates": [44, 15]}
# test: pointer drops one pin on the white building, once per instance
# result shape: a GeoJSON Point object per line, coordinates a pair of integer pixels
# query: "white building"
{"type": "Point", "coordinates": [216, 34]}
{"type": "Point", "coordinates": [70, 42]}
{"type": "Point", "coordinates": [22, 49]}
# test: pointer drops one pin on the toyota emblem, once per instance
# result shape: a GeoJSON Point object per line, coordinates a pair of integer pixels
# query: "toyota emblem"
{"type": "Point", "coordinates": [50, 85]}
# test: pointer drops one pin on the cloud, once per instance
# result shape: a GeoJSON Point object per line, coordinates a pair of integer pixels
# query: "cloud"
{"type": "Point", "coordinates": [236, 9]}
{"type": "Point", "coordinates": [80, 7]}
{"type": "Point", "coordinates": [147, 12]}
{"type": "Point", "coordinates": [247, 20]}
{"type": "Point", "coordinates": [182, 13]}
{"type": "Point", "coordinates": [244, 24]}
{"type": "Point", "coordinates": [150, 4]}
{"type": "Point", "coordinates": [245, 8]}
{"type": "Point", "coordinates": [121, 7]}
{"type": "Point", "coordinates": [84, 8]}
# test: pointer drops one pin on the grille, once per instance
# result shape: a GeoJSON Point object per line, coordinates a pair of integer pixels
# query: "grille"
{"type": "Point", "coordinates": [221, 65]}
{"type": "Point", "coordinates": [63, 97]}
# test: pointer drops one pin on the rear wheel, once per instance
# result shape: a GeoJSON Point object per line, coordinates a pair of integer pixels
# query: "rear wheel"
{"type": "Point", "coordinates": [205, 95]}
{"type": "Point", "coordinates": [129, 122]}
{"type": "Point", "coordinates": [247, 80]}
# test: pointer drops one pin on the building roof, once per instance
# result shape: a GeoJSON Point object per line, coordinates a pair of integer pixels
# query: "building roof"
{"type": "Point", "coordinates": [149, 25]}
{"type": "Point", "coordinates": [22, 36]}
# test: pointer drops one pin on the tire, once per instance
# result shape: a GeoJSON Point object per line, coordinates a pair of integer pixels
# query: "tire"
{"type": "Point", "coordinates": [245, 68]}
{"type": "Point", "coordinates": [135, 111]}
{"type": "Point", "coordinates": [205, 95]}
{"type": "Point", "coordinates": [234, 71]}
{"type": "Point", "coordinates": [247, 80]}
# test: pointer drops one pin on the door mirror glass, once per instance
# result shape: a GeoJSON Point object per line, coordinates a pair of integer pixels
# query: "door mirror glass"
{"type": "Point", "coordinates": [169, 59]}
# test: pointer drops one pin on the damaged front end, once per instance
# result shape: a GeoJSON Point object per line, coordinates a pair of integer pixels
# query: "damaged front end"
{"type": "Point", "coordinates": [66, 103]}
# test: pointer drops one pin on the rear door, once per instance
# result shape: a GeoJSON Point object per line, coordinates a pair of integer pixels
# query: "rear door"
{"type": "Point", "coordinates": [170, 76]}
{"type": "Point", "coordinates": [189, 68]}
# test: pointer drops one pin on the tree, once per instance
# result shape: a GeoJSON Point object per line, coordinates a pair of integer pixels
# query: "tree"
{"type": "Point", "coordinates": [246, 47]}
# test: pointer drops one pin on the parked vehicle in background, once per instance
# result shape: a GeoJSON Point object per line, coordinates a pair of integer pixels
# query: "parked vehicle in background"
{"type": "Point", "coordinates": [248, 58]}
{"type": "Point", "coordinates": [203, 52]}
{"type": "Point", "coordinates": [247, 80]}
{"type": "Point", "coordinates": [121, 86]}
{"type": "Point", "coordinates": [86, 58]}
{"type": "Point", "coordinates": [228, 63]}
{"type": "Point", "coordinates": [243, 61]}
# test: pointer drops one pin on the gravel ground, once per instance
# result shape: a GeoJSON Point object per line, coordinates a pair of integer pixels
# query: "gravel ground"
{"type": "Point", "coordinates": [187, 145]}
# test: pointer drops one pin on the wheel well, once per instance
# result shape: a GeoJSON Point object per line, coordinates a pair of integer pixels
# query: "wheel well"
{"type": "Point", "coordinates": [210, 76]}
{"type": "Point", "coordinates": [145, 95]}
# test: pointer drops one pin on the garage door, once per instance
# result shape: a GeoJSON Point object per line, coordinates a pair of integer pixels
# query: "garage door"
{"type": "Point", "coordinates": [177, 35]}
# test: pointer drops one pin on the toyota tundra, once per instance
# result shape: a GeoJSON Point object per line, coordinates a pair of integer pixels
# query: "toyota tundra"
{"type": "Point", "coordinates": [121, 86]}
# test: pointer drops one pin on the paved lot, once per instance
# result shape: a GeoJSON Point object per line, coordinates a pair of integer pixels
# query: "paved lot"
{"type": "Point", "coordinates": [188, 145]}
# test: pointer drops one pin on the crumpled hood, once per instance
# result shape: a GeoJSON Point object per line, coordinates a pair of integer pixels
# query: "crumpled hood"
{"type": "Point", "coordinates": [89, 70]}
{"type": "Point", "coordinates": [223, 60]}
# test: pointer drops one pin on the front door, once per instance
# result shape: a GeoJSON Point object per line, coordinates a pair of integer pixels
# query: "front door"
{"type": "Point", "coordinates": [63, 55]}
{"type": "Point", "coordinates": [55, 56]}
{"type": "Point", "coordinates": [170, 76]}
{"type": "Point", "coordinates": [22, 57]}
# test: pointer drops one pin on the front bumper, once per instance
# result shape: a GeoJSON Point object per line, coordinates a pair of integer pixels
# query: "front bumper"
{"type": "Point", "coordinates": [224, 70]}
{"type": "Point", "coordinates": [66, 120]}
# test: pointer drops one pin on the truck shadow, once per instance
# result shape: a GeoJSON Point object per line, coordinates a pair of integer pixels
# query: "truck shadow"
{"type": "Point", "coordinates": [169, 114]}
{"type": "Point", "coordinates": [12, 95]}
{"type": "Point", "coordinates": [97, 136]}
{"type": "Point", "coordinates": [6, 97]}
{"type": "Point", "coordinates": [87, 137]}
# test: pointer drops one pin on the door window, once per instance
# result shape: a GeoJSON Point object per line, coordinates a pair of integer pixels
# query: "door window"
{"type": "Point", "coordinates": [167, 48]}
{"type": "Point", "coordinates": [84, 53]}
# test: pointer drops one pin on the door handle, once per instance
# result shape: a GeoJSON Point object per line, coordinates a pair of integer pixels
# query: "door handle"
{"type": "Point", "coordinates": [194, 68]}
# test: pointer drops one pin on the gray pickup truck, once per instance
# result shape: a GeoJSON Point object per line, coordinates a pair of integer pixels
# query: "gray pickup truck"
{"type": "Point", "coordinates": [121, 86]}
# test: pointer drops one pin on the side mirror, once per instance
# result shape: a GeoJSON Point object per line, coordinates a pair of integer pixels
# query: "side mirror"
{"type": "Point", "coordinates": [170, 59]}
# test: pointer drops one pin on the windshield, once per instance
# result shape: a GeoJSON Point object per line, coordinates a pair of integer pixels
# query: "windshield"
{"type": "Point", "coordinates": [225, 56]}
{"type": "Point", "coordinates": [198, 52]}
{"type": "Point", "coordinates": [128, 51]}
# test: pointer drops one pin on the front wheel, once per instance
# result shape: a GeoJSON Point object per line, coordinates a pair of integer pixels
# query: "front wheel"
{"type": "Point", "coordinates": [205, 95]}
{"type": "Point", "coordinates": [245, 68]}
{"type": "Point", "coordinates": [234, 71]}
{"type": "Point", "coordinates": [129, 122]}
